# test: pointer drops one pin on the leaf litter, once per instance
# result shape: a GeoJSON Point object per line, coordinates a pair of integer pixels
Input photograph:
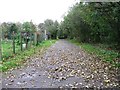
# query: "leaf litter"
{"type": "Point", "coordinates": [64, 61]}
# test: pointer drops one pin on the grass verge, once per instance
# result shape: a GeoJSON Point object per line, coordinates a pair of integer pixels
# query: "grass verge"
{"type": "Point", "coordinates": [7, 49]}
{"type": "Point", "coordinates": [20, 58]}
{"type": "Point", "coordinates": [106, 55]}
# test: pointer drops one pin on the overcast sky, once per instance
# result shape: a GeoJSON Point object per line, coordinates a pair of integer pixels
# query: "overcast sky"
{"type": "Point", "coordinates": [35, 10]}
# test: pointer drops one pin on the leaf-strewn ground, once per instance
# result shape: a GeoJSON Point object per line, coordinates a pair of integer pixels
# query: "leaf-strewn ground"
{"type": "Point", "coordinates": [62, 65]}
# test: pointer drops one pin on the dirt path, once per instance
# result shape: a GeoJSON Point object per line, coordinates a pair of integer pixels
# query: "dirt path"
{"type": "Point", "coordinates": [63, 65]}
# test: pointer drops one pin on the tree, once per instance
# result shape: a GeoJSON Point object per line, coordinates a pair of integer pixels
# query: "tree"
{"type": "Point", "coordinates": [5, 30]}
{"type": "Point", "coordinates": [27, 26]}
{"type": "Point", "coordinates": [41, 26]}
{"type": "Point", "coordinates": [51, 27]}
{"type": "Point", "coordinates": [93, 22]}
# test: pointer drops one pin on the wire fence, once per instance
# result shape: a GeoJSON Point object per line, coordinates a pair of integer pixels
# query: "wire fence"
{"type": "Point", "coordinates": [19, 42]}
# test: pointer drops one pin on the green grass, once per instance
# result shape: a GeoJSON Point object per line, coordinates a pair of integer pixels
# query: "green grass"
{"type": "Point", "coordinates": [20, 58]}
{"type": "Point", "coordinates": [7, 49]}
{"type": "Point", "coordinates": [106, 55]}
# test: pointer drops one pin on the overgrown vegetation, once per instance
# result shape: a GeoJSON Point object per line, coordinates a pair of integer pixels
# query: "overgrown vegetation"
{"type": "Point", "coordinates": [20, 58]}
{"type": "Point", "coordinates": [93, 23]}
{"type": "Point", "coordinates": [105, 55]}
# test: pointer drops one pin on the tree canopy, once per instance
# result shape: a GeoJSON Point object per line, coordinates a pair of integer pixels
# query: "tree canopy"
{"type": "Point", "coordinates": [93, 22]}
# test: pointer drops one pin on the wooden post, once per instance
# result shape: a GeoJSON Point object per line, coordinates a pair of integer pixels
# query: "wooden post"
{"type": "Point", "coordinates": [30, 39]}
{"type": "Point", "coordinates": [45, 35]}
{"type": "Point", "coordinates": [21, 41]}
{"type": "Point", "coordinates": [0, 56]}
{"type": "Point", "coordinates": [0, 44]}
{"type": "Point", "coordinates": [26, 41]}
{"type": "Point", "coordinates": [35, 39]}
{"type": "Point", "coordinates": [13, 42]}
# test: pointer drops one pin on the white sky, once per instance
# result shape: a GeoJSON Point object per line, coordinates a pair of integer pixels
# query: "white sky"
{"type": "Point", "coordinates": [35, 10]}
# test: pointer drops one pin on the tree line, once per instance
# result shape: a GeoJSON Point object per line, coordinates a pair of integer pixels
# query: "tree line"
{"type": "Point", "coordinates": [92, 23]}
{"type": "Point", "coordinates": [49, 25]}
{"type": "Point", "coordinates": [85, 22]}
{"type": "Point", "coordinates": [8, 28]}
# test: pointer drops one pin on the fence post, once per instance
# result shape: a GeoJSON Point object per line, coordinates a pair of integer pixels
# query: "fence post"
{"type": "Point", "coordinates": [30, 39]}
{"type": "Point", "coordinates": [13, 42]}
{"type": "Point", "coordinates": [35, 38]}
{"type": "Point", "coordinates": [21, 41]}
{"type": "Point", "coordinates": [0, 56]}
{"type": "Point", "coordinates": [26, 38]}
{"type": "Point", "coordinates": [45, 35]}
{"type": "Point", "coordinates": [0, 44]}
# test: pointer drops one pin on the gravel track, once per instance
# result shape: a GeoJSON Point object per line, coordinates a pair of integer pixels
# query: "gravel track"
{"type": "Point", "coordinates": [63, 65]}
